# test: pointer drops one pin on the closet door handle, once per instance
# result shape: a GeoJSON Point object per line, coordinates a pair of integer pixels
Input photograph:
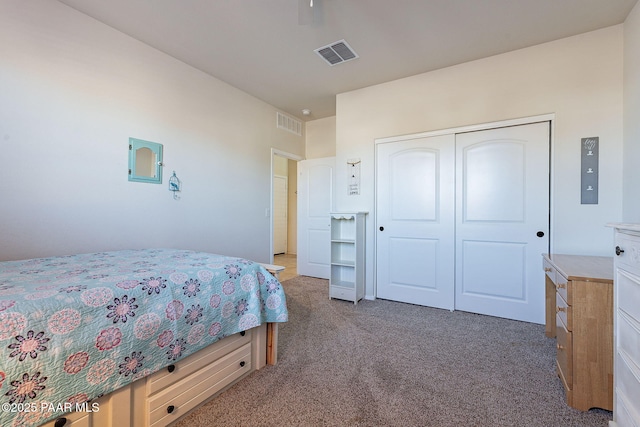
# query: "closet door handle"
{"type": "Point", "coordinates": [619, 251]}
{"type": "Point", "coordinates": [381, 228]}
{"type": "Point", "coordinates": [540, 234]}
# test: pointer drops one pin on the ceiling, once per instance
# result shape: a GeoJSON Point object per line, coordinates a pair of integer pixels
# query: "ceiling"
{"type": "Point", "coordinates": [266, 47]}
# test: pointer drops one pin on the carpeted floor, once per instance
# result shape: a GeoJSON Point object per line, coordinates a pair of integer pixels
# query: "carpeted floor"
{"type": "Point", "coordinates": [382, 363]}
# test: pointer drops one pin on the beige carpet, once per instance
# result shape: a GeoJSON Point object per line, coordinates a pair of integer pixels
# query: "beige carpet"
{"type": "Point", "coordinates": [382, 363]}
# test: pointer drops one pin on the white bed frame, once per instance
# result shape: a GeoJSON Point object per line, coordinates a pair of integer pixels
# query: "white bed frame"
{"type": "Point", "coordinates": [165, 396]}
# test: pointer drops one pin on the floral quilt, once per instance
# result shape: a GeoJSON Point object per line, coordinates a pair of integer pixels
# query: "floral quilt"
{"type": "Point", "coordinates": [76, 327]}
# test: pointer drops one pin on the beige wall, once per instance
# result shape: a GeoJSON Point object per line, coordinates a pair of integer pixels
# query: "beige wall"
{"type": "Point", "coordinates": [320, 138]}
{"type": "Point", "coordinates": [631, 211]}
{"type": "Point", "coordinates": [578, 79]}
{"type": "Point", "coordinates": [72, 92]}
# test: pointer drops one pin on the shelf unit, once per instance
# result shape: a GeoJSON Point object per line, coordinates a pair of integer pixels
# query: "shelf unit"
{"type": "Point", "coordinates": [347, 256]}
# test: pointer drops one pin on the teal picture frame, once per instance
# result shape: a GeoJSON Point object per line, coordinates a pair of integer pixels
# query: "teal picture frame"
{"type": "Point", "coordinates": [145, 161]}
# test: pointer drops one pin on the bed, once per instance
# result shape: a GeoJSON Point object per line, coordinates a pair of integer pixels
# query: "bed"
{"type": "Point", "coordinates": [135, 337]}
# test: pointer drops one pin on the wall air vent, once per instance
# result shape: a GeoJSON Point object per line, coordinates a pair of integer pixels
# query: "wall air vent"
{"type": "Point", "coordinates": [288, 123]}
{"type": "Point", "coordinates": [336, 53]}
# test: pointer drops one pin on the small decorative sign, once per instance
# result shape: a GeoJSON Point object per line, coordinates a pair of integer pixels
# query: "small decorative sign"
{"type": "Point", "coordinates": [589, 171]}
{"type": "Point", "coordinates": [353, 178]}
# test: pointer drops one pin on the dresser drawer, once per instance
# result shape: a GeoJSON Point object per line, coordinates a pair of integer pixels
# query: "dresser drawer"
{"type": "Point", "coordinates": [563, 311]}
{"type": "Point", "coordinates": [628, 379]}
{"type": "Point", "coordinates": [623, 413]}
{"type": "Point", "coordinates": [549, 270]}
{"type": "Point", "coordinates": [628, 293]}
{"type": "Point", "coordinates": [564, 288]}
{"type": "Point", "coordinates": [564, 353]}
{"type": "Point", "coordinates": [167, 376]}
{"type": "Point", "coordinates": [630, 258]}
{"type": "Point", "coordinates": [628, 338]}
{"type": "Point", "coordinates": [171, 403]}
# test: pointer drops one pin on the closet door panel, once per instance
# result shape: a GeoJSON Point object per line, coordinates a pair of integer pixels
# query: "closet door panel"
{"type": "Point", "coordinates": [502, 221]}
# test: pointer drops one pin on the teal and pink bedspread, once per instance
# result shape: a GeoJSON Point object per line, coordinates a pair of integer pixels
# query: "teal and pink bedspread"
{"type": "Point", "coordinates": [76, 327]}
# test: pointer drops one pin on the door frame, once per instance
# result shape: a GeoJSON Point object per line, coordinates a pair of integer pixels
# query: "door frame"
{"type": "Point", "coordinates": [290, 156]}
{"type": "Point", "coordinates": [460, 129]}
{"type": "Point", "coordinates": [285, 180]}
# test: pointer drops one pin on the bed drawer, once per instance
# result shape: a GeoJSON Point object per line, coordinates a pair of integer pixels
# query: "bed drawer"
{"type": "Point", "coordinates": [563, 310]}
{"type": "Point", "coordinates": [74, 419]}
{"type": "Point", "coordinates": [171, 403]}
{"type": "Point", "coordinates": [173, 373]}
{"type": "Point", "coordinates": [564, 354]}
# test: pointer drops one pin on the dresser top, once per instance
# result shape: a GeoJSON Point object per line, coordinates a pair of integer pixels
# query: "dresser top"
{"type": "Point", "coordinates": [583, 267]}
{"type": "Point", "coordinates": [624, 226]}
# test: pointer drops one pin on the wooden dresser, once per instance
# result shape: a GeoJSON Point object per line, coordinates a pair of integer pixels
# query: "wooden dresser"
{"type": "Point", "coordinates": [579, 313]}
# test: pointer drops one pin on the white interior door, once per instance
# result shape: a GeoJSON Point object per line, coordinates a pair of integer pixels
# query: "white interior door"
{"type": "Point", "coordinates": [315, 201]}
{"type": "Point", "coordinates": [280, 220]}
{"type": "Point", "coordinates": [502, 191]}
{"type": "Point", "coordinates": [415, 221]}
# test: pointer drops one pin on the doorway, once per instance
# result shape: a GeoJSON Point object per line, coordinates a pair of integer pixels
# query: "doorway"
{"type": "Point", "coordinates": [462, 219]}
{"type": "Point", "coordinates": [284, 216]}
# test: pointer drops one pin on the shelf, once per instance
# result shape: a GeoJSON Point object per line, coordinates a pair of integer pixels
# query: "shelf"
{"type": "Point", "coordinates": [351, 241]}
{"type": "Point", "coordinates": [344, 262]}
{"type": "Point", "coordinates": [344, 284]}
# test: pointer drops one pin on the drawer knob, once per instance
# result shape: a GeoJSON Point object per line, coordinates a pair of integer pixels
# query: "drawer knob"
{"type": "Point", "coordinates": [619, 250]}
{"type": "Point", "coordinates": [547, 269]}
{"type": "Point", "coordinates": [170, 409]}
{"type": "Point", "coordinates": [171, 368]}
{"type": "Point", "coordinates": [242, 333]}
{"type": "Point", "coordinates": [242, 364]}
{"type": "Point", "coordinates": [559, 347]}
{"type": "Point", "coordinates": [60, 422]}
{"type": "Point", "coordinates": [562, 286]}
{"type": "Point", "coordinates": [559, 309]}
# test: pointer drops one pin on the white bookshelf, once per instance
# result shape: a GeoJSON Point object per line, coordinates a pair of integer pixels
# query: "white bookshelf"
{"type": "Point", "coordinates": [347, 256]}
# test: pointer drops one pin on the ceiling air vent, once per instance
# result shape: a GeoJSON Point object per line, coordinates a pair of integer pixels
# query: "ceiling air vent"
{"type": "Point", "coordinates": [336, 53]}
{"type": "Point", "coordinates": [289, 124]}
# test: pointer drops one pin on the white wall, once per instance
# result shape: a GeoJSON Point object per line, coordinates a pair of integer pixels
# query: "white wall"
{"type": "Point", "coordinates": [72, 91]}
{"type": "Point", "coordinates": [320, 138]}
{"type": "Point", "coordinates": [579, 79]}
{"type": "Point", "coordinates": [631, 210]}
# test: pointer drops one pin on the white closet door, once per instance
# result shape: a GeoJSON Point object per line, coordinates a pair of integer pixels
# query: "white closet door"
{"type": "Point", "coordinates": [502, 220]}
{"type": "Point", "coordinates": [415, 221]}
{"type": "Point", "coordinates": [315, 201]}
